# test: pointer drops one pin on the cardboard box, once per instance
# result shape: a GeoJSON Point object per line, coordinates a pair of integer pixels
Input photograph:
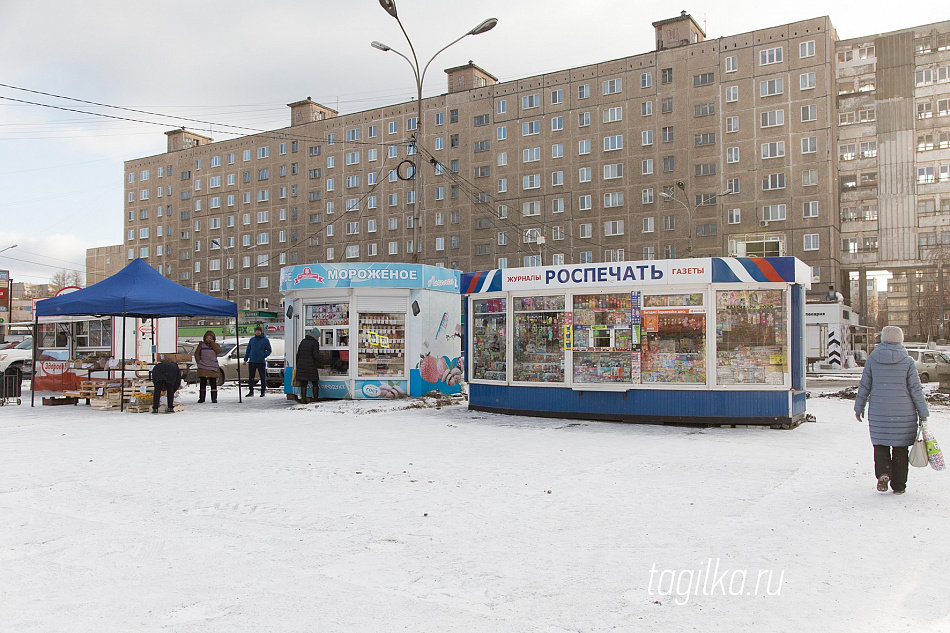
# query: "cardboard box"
{"type": "Point", "coordinates": [175, 358]}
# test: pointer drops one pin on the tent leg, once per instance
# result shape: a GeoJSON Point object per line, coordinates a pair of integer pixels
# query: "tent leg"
{"type": "Point", "coordinates": [36, 338]}
{"type": "Point", "coordinates": [122, 380]}
{"type": "Point", "coordinates": [237, 341]}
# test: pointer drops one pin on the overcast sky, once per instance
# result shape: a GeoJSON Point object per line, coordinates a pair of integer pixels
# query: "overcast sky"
{"type": "Point", "coordinates": [241, 62]}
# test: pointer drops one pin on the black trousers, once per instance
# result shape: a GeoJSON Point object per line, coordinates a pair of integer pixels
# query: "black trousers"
{"type": "Point", "coordinates": [261, 369]}
{"type": "Point", "coordinates": [314, 384]}
{"type": "Point", "coordinates": [892, 461]}
{"type": "Point", "coordinates": [157, 388]}
{"type": "Point", "coordinates": [203, 382]}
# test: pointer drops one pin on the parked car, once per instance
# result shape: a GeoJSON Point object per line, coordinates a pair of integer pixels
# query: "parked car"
{"type": "Point", "coordinates": [228, 361]}
{"type": "Point", "coordinates": [931, 364]}
{"type": "Point", "coordinates": [20, 356]}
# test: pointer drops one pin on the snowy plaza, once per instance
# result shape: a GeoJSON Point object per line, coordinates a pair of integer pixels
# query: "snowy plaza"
{"type": "Point", "coordinates": [388, 516]}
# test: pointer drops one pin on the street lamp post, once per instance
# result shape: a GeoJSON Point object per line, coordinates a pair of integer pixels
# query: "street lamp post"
{"type": "Point", "coordinates": [390, 7]}
{"type": "Point", "coordinates": [689, 212]}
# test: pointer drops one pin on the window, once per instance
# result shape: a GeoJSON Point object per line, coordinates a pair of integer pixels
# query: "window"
{"type": "Point", "coordinates": [773, 118]}
{"type": "Point", "coordinates": [668, 134]}
{"type": "Point", "coordinates": [809, 145]}
{"type": "Point", "coordinates": [704, 79]}
{"type": "Point", "coordinates": [502, 133]}
{"type": "Point", "coordinates": [584, 174]}
{"type": "Point", "coordinates": [646, 196]}
{"type": "Point", "coordinates": [705, 169]}
{"type": "Point", "coordinates": [614, 170]}
{"type": "Point", "coordinates": [773, 212]}
{"type": "Point", "coordinates": [440, 243]}
{"type": "Point", "coordinates": [666, 76]}
{"type": "Point", "coordinates": [557, 150]}
{"type": "Point", "coordinates": [811, 242]}
{"type": "Point", "coordinates": [732, 94]}
{"type": "Point", "coordinates": [613, 200]}
{"type": "Point", "coordinates": [583, 119]}
{"type": "Point", "coordinates": [773, 150]}
{"type": "Point", "coordinates": [481, 120]}
{"type": "Point", "coordinates": [669, 163]}
{"type": "Point", "coordinates": [771, 87]}
{"type": "Point", "coordinates": [584, 203]}
{"type": "Point", "coordinates": [666, 105]}
{"type": "Point", "coordinates": [669, 222]}
{"type": "Point", "coordinates": [613, 143]}
{"type": "Point", "coordinates": [613, 227]}
{"type": "Point", "coordinates": [501, 106]}
{"type": "Point", "coordinates": [806, 49]}
{"type": "Point", "coordinates": [531, 155]}
{"type": "Point", "coordinates": [646, 137]}
{"type": "Point", "coordinates": [530, 101]}
{"type": "Point", "coordinates": [732, 124]}
{"type": "Point", "coordinates": [531, 182]}
{"type": "Point", "coordinates": [585, 230]}
{"type": "Point", "coordinates": [773, 181]}
{"type": "Point", "coordinates": [502, 185]}
{"type": "Point", "coordinates": [557, 124]}
{"type": "Point", "coordinates": [810, 209]}
{"type": "Point", "coordinates": [482, 171]}
{"type": "Point", "coordinates": [866, 114]}
{"type": "Point", "coordinates": [557, 96]}
{"type": "Point", "coordinates": [263, 152]}
{"type": "Point", "coordinates": [734, 216]}
{"type": "Point", "coordinates": [646, 108]}
{"type": "Point", "coordinates": [583, 92]}
{"type": "Point", "coordinates": [531, 208]}
{"type": "Point", "coordinates": [708, 138]}
{"type": "Point", "coordinates": [583, 147]}
{"type": "Point", "coordinates": [806, 81]}
{"type": "Point", "coordinates": [810, 177]}
{"type": "Point", "coordinates": [732, 64]}
{"type": "Point", "coordinates": [557, 178]}
{"type": "Point", "coordinates": [647, 166]}
{"type": "Point", "coordinates": [453, 116]}
{"type": "Point", "coordinates": [612, 86]}
{"type": "Point", "coordinates": [557, 205]}
{"type": "Point", "coordinates": [770, 56]}
{"type": "Point", "coordinates": [530, 127]}
{"type": "Point", "coordinates": [810, 113]}
{"type": "Point", "coordinates": [393, 127]}
{"type": "Point", "coordinates": [352, 158]}
{"type": "Point", "coordinates": [648, 225]}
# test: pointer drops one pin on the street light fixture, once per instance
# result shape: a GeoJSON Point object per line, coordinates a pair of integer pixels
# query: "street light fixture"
{"type": "Point", "coordinates": [8, 248]}
{"type": "Point", "coordinates": [539, 240]}
{"type": "Point", "coordinates": [689, 211]}
{"type": "Point", "coordinates": [390, 7]}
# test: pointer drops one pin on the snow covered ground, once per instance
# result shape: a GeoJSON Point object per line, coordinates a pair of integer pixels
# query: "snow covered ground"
{"type": "Point", "coordinates": [356, 516]}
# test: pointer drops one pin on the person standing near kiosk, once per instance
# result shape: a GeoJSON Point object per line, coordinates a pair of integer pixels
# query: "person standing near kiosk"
{"type": "Point", "coordinates": [258, 349]}
{"type": "Point", "coordinates": [306, 371]}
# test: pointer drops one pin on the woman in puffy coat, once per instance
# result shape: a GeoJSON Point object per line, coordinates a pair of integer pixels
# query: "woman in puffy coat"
{"type": "Point", "coordinates": [891, 388]}
{"type": "Point", "coordinates": [305, 369]}
{"type": "Point", "coordinates": [206, 356]}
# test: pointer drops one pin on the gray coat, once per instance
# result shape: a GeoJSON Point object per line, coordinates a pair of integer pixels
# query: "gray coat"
{"type": "Point", "coordinates": [891, 387]}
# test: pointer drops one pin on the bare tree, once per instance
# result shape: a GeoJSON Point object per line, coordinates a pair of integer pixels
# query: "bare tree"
{"type": "Point", "coordinates": [63, 278]}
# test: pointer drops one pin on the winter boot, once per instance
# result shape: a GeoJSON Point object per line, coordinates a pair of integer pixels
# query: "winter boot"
{"type": "Point", "coordinates": [214, 397]}
{"type": "Point", "coordinates": [882, 482]}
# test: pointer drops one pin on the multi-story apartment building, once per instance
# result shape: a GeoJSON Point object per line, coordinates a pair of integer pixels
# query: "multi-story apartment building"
{"type": "Point", "coordinates": [103, 262]}
{"type": "Point", "coordinates": [893, 126]}
{"type": "Point", "coordinates": [700, 147]}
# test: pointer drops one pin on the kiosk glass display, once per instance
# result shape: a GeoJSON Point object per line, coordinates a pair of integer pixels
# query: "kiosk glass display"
{"type": "Point", "coordinates": [674, 342]}
{"type": "Point", "coordinates": [751, 337]}
{"type": "Point", "coordinates": [490, 331]}
{"type": "Point", "coordinates": [604, 338]}
{"type": "Point", "coordinates": [538, 339]}
{"type": "Point", "coordinates": [333, 319]}
{"type": "Point", "coordinates": [382, 345]}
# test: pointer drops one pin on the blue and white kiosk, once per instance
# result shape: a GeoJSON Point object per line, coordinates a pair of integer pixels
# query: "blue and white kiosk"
{"type": "Point", "coordinates": [694, 341]}
{"type": "Point", "coordinates": [387, 330]}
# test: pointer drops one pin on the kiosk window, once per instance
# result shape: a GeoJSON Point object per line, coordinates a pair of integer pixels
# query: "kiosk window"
{"type": "Point", "coordinates": [382, 344]}
{"type": "Point", "coordinates": [674, 340]}
{"type": "Point", "coordinates": [538, 339]}
{"type": "Point", "coordinates": [605, 338]}
{"type": "Point", "coordinates": [333, 319]}
{"type": "Point", "coordinates": [490, 335]}
{"type": "Point", "coordinates": [751, 337]}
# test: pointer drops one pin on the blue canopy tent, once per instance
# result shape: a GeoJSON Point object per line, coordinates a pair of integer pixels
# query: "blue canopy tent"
{"type": "Point", "coordinates": [137, 291]}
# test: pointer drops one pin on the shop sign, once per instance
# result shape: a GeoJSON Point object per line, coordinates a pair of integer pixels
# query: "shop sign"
{"type": "Point", "coordinates": [691, 271]}
{"type": "Point", "coordinates": [4, 275]}
{"type": "Point", "coordinates": [369, 275]}
{"type": "Point", "coordinates": [51, 368]}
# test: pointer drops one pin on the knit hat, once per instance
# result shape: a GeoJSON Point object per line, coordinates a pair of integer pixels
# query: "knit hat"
{"type": "Point", "coordinates": [892, 334]}
{"type": "Point", "coordinates": [259, 329]}
{"type": "Point", "coordinates": [315, 333]}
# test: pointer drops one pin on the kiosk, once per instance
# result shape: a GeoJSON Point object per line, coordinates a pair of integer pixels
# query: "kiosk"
{"type": "Point", "coordinates": [695, 341]}
{"type": "Point", "coordinates": [387, 330]}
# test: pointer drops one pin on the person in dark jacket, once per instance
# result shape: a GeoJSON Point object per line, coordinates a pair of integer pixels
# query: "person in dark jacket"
{"type": "Point", "coordinates": [166, 376]}
{"type": "Point", "coordinates": [891, 388]}
{"type": "Point", "coordinates": [258, 349]}
{"type": "Point", "coordinates": [206, 357]}
{"type": "Point", "coordinates": [306, 365]}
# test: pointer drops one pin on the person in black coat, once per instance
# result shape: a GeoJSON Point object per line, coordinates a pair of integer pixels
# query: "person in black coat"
{"type": "Point", "coordinates": [306, 365]}
{"type": "Point", "coordinates": [166, 376]}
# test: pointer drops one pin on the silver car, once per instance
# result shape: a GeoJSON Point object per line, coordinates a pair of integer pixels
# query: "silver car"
{"type": "Point", "coordinates": [931, 364]}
